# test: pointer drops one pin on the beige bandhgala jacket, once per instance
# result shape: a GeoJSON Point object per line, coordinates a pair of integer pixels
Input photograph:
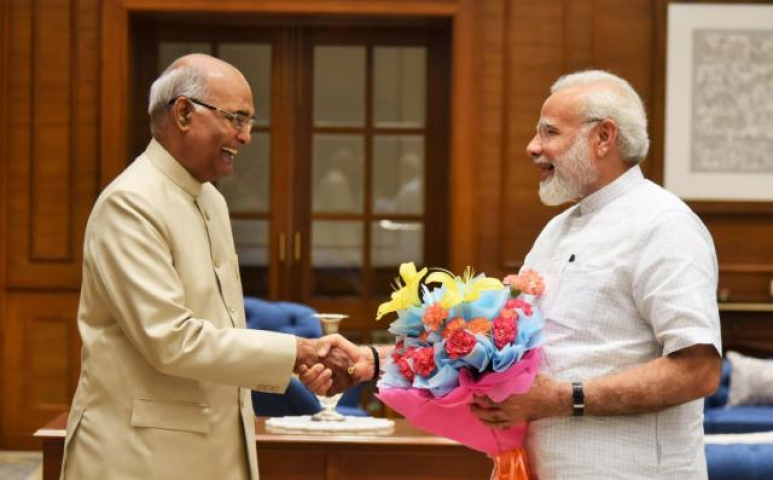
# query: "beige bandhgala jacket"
{"type": "Point", "coordinates": [166, 364]}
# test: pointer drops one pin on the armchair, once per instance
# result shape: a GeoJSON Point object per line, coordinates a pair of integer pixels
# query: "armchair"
{"type": "Point", "coordinates": [295, 319]}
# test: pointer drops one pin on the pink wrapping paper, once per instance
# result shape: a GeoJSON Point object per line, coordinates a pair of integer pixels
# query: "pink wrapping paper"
{"type": "Point", "coordinates": [450, 416]}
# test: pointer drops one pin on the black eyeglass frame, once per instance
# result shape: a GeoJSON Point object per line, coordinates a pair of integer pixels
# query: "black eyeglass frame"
{"type": "Point", "coordinates": [238, 120]}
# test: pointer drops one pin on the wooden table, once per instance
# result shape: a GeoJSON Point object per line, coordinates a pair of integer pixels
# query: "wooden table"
{"type": "Point", "coordinates": [407, 453]}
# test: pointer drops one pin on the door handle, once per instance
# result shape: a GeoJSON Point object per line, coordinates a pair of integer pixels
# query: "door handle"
{"type": "Point", "coordinates": [297, 247]}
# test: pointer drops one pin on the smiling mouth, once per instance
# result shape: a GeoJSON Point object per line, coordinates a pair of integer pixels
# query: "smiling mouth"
{"type": "Point", "coordinates": [231, 152]}
{"type": "Point", "coordinates": [546, 169]}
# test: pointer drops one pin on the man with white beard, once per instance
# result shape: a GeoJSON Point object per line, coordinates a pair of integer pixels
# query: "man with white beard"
{"type": "Point", "coordinates": [633, 338]}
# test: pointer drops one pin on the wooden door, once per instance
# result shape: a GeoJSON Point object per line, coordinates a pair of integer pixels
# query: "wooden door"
{"type": "Point", "coordinates": [347, 171]}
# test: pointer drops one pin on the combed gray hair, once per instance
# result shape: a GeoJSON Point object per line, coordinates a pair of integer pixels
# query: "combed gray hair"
{"type": "Point", "coordinates": [176, 81]}
{"type": "Point", "coordinates": [621, 104]}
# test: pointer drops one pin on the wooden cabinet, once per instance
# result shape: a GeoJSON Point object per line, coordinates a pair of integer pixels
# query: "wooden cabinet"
{"type": "Point", "coordinates": [747, 328]}
{"type": "Point", "coordinates": [406, 453]}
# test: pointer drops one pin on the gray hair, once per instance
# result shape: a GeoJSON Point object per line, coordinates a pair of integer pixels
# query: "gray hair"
{"type": "Point", "coordinates": [620, 103]}
{"type": "Point", "coordinates": [176, 81]}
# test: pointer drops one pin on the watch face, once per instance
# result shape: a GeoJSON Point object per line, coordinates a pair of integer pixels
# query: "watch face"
{"type": "Point", "coordinates": [578, 399]}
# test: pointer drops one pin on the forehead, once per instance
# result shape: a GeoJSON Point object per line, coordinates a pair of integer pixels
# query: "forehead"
{"type": "Point", "coordinates": [231, 91]}
{"type": "Point", "coordinates": [563, 107]}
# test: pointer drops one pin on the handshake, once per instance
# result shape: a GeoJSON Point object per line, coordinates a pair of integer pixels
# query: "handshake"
{"type": "Point", "coordinates": [331, 364]}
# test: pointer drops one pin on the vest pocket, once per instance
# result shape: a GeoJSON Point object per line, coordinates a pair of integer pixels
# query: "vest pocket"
{"type": "Point", "coordinates": [187, 417]}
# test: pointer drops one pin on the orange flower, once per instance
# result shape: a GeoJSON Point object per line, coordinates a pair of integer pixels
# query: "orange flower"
{"type": "Point", "coordinates": [434, 316]}
{"type": "Point", "coordinates": [457, 323]}
{"type": "Point", "coordinates": [508, 314]}
{"type": "Point", "coordinates": [479, 325]}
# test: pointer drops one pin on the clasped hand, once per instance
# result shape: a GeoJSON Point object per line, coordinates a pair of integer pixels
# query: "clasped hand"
{"type": "Point", "coordinates": [331, 364]}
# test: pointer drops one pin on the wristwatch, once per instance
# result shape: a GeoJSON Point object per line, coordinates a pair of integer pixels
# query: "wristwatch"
{"type": "Point", "coordinates": [578, 399]}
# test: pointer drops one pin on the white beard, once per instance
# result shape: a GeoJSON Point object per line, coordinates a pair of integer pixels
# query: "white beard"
{"type": "Point", "coordinates": [569, 181]}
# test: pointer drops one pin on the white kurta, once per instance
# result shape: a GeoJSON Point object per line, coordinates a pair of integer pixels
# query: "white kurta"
{"type": "Point", "coordinates": [631, 275]}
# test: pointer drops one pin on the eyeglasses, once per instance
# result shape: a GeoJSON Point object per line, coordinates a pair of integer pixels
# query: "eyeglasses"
{"type": "Point", "coordinates": [546, 131]}
{"type": "Point", "coordinates": [239, 120]}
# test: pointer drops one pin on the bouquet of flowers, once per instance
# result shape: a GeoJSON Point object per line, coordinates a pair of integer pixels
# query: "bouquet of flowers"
{"type": "Point", "coordinates": [471, 335]}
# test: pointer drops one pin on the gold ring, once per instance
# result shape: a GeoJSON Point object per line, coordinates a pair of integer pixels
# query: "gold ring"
{"type": "Point", "coordinates": [351, 370]}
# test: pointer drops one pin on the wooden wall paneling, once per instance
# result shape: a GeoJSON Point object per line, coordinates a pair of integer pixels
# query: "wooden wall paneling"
{"type": "Point", "coordinates": [743, 243]}
{"type": "Point", "coordinates": [623, 44]}
{"type": "Point", "coordinates": [40, 355]}
{"type": "Point", "coordinates": [441, 8]}
{"type": "Point", "coordinates": [85, 128]}
{"type": "Point", "coordinates": [579, 25]}
{"type": "Point", "coordinates": [536, 55]}
{"type": "Point", "coordinates": [464, 118]}
{"type": "Point", "coordinates": [51, 169]}
{"type": "Point", "coordinates": [114, 90]}
{"type": "Point", "coordinates": [4, 27]}
{"type": "Point", "coordinates": [485, 163]}
{"type": "Point", "coordinates": [491, 141]}
{"type": "Point", "coordinates": [52, 154]}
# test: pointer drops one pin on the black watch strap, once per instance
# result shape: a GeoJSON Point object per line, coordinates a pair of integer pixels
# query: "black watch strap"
{"type": "Point", "coordinates": [578, 399]}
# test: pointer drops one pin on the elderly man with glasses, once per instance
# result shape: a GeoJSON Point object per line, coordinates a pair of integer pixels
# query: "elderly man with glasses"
{"type": "Point", "coordinates": [167, 365]}
{"type": "Point", "coordinates": [633, 339]}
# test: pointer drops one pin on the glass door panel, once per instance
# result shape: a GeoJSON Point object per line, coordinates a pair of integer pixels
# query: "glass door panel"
{"type": "Point", "coordinates": [398, 174]}
{"type": "Point", "coordinates": [393, 243]}
{"type": "Point", "coordinates": [254, 61]}
{"type": "Point", "coordinates": [338, 173]}
{"type": "Point", "coordinates": [339, 86]}
{"type": "Point", "coordinates": [400, 86]}
{"type": "Point", "coordinates": [337, 256]}
{"type": "Point", "coordinates": [369, 136]}
{"type": "Point", "coordinates": [247, 189]}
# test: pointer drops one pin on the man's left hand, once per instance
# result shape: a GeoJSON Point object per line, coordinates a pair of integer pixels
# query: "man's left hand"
{"type": "Point", "coordinates": [546, 398]}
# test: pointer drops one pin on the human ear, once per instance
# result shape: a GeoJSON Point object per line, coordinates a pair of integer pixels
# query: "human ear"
{"type": "Point", "coordinates": [607, 137]}
{"type": "Point", "coordinates": [182, 114]}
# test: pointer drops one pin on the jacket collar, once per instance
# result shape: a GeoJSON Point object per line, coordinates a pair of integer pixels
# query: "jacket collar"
{"type": "Point", "coordinates": [170, 167]}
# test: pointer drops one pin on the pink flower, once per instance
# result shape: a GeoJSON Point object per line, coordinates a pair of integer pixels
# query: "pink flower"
{"type": "Point", "coordinates": [505, 330]}
{"type": "Point", "coordinates": [529, 282]}
{"type": "Point", "coordinates": [510, 280]}
{"type": "Point", "coordinates": [434, 316]}
{"type": "Point", "coordinates": [524, 306]}
{"type": "Point", "coordinates": [460, 343]}
{"type": "Point", "coordinates": [424, 361]}
{"type": "Point", "coordinates": [457, 323]}
{"type": "Point", "coordinates": [405, 368]}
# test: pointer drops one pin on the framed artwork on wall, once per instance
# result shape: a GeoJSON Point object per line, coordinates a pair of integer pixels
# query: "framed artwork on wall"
{"type": "Point", "coordinates": [719, 102]}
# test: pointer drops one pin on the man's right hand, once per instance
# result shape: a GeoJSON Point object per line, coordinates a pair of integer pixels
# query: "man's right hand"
{"type": "Point", "coordinates": [309, 366]}
{"type": "Point", "coordinates": [348, 364]}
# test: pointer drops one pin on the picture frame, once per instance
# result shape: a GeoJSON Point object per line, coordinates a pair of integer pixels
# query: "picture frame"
{"type": "Point", "coordinates": [718, 144]}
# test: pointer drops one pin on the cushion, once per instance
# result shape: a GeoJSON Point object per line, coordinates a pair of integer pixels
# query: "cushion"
{"type": "Point", "coordinates": [284, 317]}
{"type": "Point", "coordinates": [740, 461]}
{"type": "Point", "coordinates": [743, 419]}
{"type": "Point", "coordinates": [751, 381]}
